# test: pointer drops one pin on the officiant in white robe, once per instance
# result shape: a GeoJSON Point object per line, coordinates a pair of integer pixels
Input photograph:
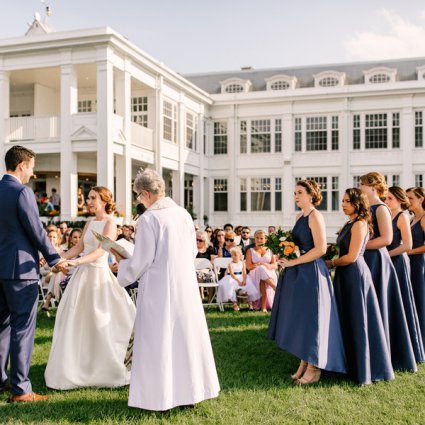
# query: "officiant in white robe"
{"type": "Point", "coordinates": [173, 363]}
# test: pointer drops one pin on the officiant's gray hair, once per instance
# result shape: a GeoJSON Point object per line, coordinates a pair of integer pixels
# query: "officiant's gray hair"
{"type": "Point", "coordinates": [150, 181]}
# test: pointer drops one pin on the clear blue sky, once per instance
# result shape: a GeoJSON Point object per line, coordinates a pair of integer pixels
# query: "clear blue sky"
{"type": "Point", "coordinates": [201, 36]}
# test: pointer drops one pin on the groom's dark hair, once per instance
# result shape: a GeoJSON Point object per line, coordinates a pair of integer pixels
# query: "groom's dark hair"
{"type": "Point", "coordinates": [16, 155]}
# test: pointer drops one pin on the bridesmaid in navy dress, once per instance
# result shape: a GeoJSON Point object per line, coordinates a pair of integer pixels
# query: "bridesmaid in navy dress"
{"type": "Point", "coordinates": [304, 319]}
{"type": "Point", "coordinates": [416, 197]}
{"type": "Point", "coordinates": [368, 357]}
{"type": "Point", "coordinates": [398, 202]}
{"type": "Point", "coordinates": [384, 276]}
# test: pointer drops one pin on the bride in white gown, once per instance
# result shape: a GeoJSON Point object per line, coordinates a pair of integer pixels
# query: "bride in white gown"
{"type": "Point", "coordinates": [95, 317]}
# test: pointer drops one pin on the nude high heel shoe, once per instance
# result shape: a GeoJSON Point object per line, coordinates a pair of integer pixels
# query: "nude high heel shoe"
{"type": "Point", "coordinates": [300, 372]}
{"type": "Point", "coordinates": [313, 375]}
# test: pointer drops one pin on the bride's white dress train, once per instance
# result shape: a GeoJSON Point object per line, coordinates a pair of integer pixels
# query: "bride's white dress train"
{"type": "Point", "coordinates": [93, 326]}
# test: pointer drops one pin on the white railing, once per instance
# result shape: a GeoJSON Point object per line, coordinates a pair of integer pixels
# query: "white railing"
{"type": "Point", "coordinates": [141, 136]}
{"type": "Point", "coordinates": [32, 128]}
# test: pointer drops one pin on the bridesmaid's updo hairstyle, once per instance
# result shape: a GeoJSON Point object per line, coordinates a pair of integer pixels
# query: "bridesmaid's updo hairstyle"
{"type": "Point", "coordinates": [313, 189]}
{"type": "Point", "coordinates": [401, 196]}
{"type": "Point", "coordinates": [419, 193]}
{"type": "Point", "coordinates": [377, 181]}
{"type": "Point", "coordinates": [150, 181]}
{"type": "Point", "coordinates": [361, 206]}
{"type": "Point", "coordinates": [106, 196]}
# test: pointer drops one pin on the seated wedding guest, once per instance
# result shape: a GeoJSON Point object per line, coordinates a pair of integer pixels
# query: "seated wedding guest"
{"type": "Point", "coordinates": [47, 274]}
{"type": "Point", "coordinates": [81, 203]}
{"type": "Point", "coordinates": [229, 242]}
{"type": "Point", "coordinates": [366, 349]}
{"type": "Point", "coordinates": [246, 241]}
{"type": "Point", "coordinates": [271, 229]}
{"type": "Point", "coordinates": [205, 250]}
{"type": "Point", "coordinates": [173, 362]}
{"type": "Point", "coordinates": [261, 263]}
{"type": "Point", "coordinates": [305, 320]}
{"type": "Point", "coordinates": [238, 232]}
{"type": "Point", "coordinates": [384, 276]}
{"type": "Point", "coordinates": [218, 242]}
{"type": "Point", "coordinates": [235, 281]}
{"type": "Point", "coordinates": [209, 231]}
{"type": "Point", "coordinates": [416, 255]}
{"type": "Point", "coordinates": [398, 202]}
{"type": "Point", "coordinates": [126, 234]}
{"type": "Point", "coordinates": [228, 227]}
{"type": "Point", "coordinates": [64, 235]}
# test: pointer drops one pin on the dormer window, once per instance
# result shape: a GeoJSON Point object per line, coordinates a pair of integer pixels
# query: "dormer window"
{"type": "Point", "coordinates": [380, 75]}
{"type": "Point", "coordinates": [280, 85]}
{"type": "Point", "coordinates": [328, 82]}
{"type": "Point", "coordinates": [329, 79]}
{"type": "Point", "coordinates": [235, 85]}
{"type": "Point", "coordinates": [281, 82]}
{"type": "Point", "coordinates": [234, 88]}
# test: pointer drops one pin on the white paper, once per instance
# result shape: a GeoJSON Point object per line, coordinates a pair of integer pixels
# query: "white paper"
{"type": "Point", "coordinates": [123, 247]}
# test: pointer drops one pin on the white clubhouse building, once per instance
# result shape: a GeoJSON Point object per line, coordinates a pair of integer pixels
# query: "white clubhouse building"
{"type": "Point", "coordinates": [95, 108]}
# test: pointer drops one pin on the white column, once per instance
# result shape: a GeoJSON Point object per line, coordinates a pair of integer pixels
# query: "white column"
{"type": "Point", "coordinates": [158, 127]}
{"type": "Point", "coordinates": [178, 192]}
{"type": "Point", "coordinates": [345, 180]}
{"type": "Point", "coordinates": [68, 159]}
{"type": "Point", "coordinates": [105, 116]}
{"type": "Point", "coordinates": [4, 115]}
{"type": "Point", "coordinates": [123, 162]}
{"type": "Point", "coordinates": [199, 180]}
{"type": "Point", "coordinates": [407, 141]}
{"type": "Point", "coordinates": [232, 185]}
{"type": "Point", "coordinates": [178, 188]}
{"type": "Point", "coordinates": [287, 179]}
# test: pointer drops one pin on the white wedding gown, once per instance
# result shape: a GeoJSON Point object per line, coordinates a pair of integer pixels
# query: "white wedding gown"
{"type": "Point", "coordinates": [93, 326]}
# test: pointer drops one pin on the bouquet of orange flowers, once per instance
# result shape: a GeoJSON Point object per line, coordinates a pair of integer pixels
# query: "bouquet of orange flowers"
{"type": "Point", "coordinates": [282, 244]}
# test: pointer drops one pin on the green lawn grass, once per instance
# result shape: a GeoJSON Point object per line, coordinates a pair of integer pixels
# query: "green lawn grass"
{"type": "Point", "coordinates": [256, 389]}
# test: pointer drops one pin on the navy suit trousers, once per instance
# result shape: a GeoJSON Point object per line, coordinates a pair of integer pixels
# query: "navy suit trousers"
{"type": "Point", "coordinates": [18, 313]}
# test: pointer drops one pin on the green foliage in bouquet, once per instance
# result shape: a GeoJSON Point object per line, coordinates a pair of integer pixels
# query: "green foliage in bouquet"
{"type": "Point", "coordinates": [282, 243]}
{"type": "Point", "coordinates": [332, 252]}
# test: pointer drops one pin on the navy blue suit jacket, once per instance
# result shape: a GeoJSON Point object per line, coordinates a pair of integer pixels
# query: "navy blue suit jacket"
{"type": "Point", "coordinates": [21, 233]}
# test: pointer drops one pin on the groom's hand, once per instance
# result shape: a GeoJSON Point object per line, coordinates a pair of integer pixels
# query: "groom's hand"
{"type": "Point", "coordinates": [61, 266]}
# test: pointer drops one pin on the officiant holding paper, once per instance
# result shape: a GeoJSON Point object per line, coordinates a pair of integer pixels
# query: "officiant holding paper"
{"type": "Point", "coordinates": [173, 362]}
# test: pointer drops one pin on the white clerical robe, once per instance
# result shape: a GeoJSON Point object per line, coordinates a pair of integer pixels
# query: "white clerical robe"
{"type": "Point", "coordinates": [173, 362]}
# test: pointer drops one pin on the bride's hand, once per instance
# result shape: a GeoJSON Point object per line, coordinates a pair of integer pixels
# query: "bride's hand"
{"type": "Point", "coordinates": [117, 256]}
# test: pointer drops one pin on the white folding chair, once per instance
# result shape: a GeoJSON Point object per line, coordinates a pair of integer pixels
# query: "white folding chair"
{"type": "Point", "coordinates": [133, 294]}
{"type": "Point", "coordinates": [221, 263]}
{"type": "Point", "coordinates": [42, 292]}
{"type": "Point", "coordinates": [202, 264]}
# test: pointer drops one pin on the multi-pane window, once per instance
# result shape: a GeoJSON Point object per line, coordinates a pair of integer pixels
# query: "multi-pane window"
{"type": "Point", "coordinates": [243, 137]}
{"type": "Point", "coordinates": [170, 121]}
{"type": "Point", "coordinates": [234, 88]}
{"type": "Point", "coordinates": [298, 135]}
{"type": "Point", "coordinates": [396, 130]}
{"type": "Point", "coordinates": [379, 78]}
{"type": "Point", "coordinates": [335, 134]}
{"type": "Point", "coordinates": [244, 195]}
{"type": "Point", "coordinates": [376, 131]}
{"type": "Point", "coordinates": [260, 194]}
{"type": "Point", "coordinates": [419, 132]}
{"type": "Point", "coordinates": [396, 179]}
{"type": "Point", "coordinates": [220, 194]}
{"type": "Point", "coordinates": [278, 135]}
{"type": "Point", "coordinates": [356, 181]}
{"type": "Point", "coordinates": [85, 106]}
{"type": "Point", "coordinates": [188, 193]}
{"type": "Point", "coordinates": [139, 110]}
{"type": "Point", "coordinates": [323, 184]}
{"type": "Point", "coordinates": [220, 138]}
{"type": "Point", "coordinates": [280, 85]}
{"type": "Point", "coordinates": [190, 131]}
{"type": "Point", "coordinates": [316, 134]}
{"type": "Point", "coordinates": [328, 82]}
{"type": "Point", "coordinates": [356, 131]}
{"type": "Point", "coordinates": [260, 136]}
{"type": "Point", "coordinates": [278, 194]}
{"type": "Point", "coordinates": [419, 180]}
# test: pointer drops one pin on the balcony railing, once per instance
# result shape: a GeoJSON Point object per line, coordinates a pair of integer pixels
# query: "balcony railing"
{"type": "Point", "coordinates": [32, 128]}
{"type": "Point", "coordinates": [141, 136]}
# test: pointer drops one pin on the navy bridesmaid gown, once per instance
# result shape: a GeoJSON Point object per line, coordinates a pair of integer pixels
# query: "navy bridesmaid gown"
{"type": "Point", "coordinates": [368, 357]}
{"type": "Point", "coordinates": [304, 319]}
{"type": "Point", "coordinates": [387, 288]}
{"type": "Point", "coordinates": [417, 274]}
{"type": "Point", "coordinates": [402, 267]}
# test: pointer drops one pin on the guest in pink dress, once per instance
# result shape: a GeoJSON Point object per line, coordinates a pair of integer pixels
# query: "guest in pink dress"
{"type": "Point", "coordinates": [261, 263]}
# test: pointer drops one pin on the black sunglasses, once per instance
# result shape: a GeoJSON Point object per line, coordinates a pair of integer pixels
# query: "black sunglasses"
{"type": "Point", "coordinates": [228, 240]}
{"type": "Point", "coordinates": [199, 240]}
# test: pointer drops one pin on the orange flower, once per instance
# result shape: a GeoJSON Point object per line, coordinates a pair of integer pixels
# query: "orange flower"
{"type": "Point", "coordinates": [292, 244]}
{"type": "Point", "coordinates": [288, 250]}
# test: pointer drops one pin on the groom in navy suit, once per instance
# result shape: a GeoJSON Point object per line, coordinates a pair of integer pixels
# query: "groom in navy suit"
{"type": "Point", "coordinates": [21, 238]}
